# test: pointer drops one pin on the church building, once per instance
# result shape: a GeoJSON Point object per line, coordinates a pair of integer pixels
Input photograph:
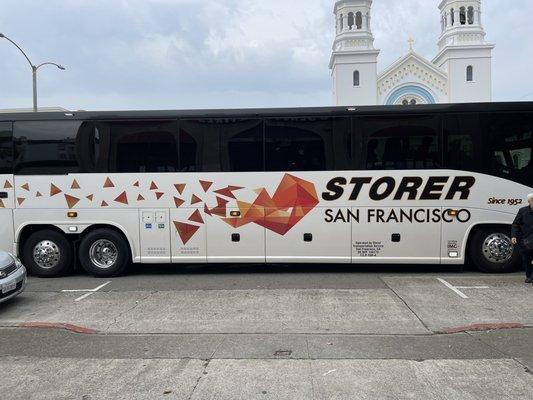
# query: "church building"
{"type": "Point", "coordinates": [459, 73]}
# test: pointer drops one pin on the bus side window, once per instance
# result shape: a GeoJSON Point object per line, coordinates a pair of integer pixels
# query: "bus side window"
{"type": "Point", "coordinates": [510, 140]}
{"type": "Point", "coordinates": [200, 145]}
{"type": "Point", "coordinates": [46, 147]}
{"type": "Point", "coordinates": [242, 146]}
{"type": "Point", "coordinates": [143, 146]}
{"type": "Point", "coordinates": [461, 136]}
{"type": "Point", "coordinates": [393, 143]}
{"type": "Point", "coordinates": [6, 148]}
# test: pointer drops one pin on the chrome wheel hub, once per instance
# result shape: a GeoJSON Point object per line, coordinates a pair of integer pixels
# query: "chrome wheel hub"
{"type": "Point", "coordinates": [498, 248]}
{"type": "Point", "coordinates": [103, 253]}
{"type": "Point", "coordinates": [46, 254]}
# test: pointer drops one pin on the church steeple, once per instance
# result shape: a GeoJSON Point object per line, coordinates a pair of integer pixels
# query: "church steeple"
{"type": "Point", "coordinates": [461, 23]}
{"type": "Point", "coordinates": [353, 29]}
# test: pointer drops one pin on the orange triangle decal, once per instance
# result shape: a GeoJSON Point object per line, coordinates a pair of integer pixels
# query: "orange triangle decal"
{"type": "Point", "coordinates": [136, 184]}
{"type": "Point", "coordinates": [75, 184]}
{"type": "Point", "coordinates": [26, 187]}
{"type": "Point", "coordinates": [2, 204]}
{"type": "Point", "coordinates": [185, 231]}
{"type": "Point", "coordinates": [8, 185]}
{"type": "Point", "coordinates": [90, 197]}
{"type": "Point", "coordinates": [122, 198]}
{"type": "Point", "coordinates": [108, 183]}
{"type": "Point", "coordinates": [20, 200]}
{"type": "Point", "coordinates": [178, 202]}
{"type": "Point", "coordinates": [71, 200]}
{"type": "Point", "coordinates": [180, 187]}
{"type": "Point", "coordinates": [195, 199]}
{"type": "Point", "coordinates": [158, 195]}
{"type": "Point", "coordinates": [206, 185]}
{"type": "Point", "coordinates": [140, 197]}
{"type": "Point", "coordinates": [153, 186]}
{"type": "Point", "coordinates": [54, 190]}
{"type": "Point", "coordinates": [196, 217]}
{"type": "Point", "coordinates": [38, 194]}
{"type": "Point", "coordinates": [104, 204]}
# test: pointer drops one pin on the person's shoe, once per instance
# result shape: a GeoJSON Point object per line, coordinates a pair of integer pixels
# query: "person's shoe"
{"type": "Point", "coordinates": [529, 280]}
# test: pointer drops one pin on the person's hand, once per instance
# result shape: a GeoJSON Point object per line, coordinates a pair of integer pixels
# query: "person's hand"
{"type": "Point", "coordinates": [514, 241]}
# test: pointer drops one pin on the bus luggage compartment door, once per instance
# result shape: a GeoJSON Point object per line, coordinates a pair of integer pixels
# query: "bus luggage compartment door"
{"type": "Point", "coordinates": [235, 240]}
{"type": "Point", "coordinates": [309, 239]}
{"type": "Point", "coordinates": [155, 237]}
{"type": "Point", "coordinates": [188, 235]}
{"type": "Point", "coordinates": [398, 236]}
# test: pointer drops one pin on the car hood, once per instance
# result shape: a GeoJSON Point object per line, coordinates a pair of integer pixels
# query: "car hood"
{"type": "Point", "coordinates": [5, 259]}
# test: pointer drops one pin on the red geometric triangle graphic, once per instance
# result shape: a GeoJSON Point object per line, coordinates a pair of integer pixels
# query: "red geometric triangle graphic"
{"type": "Point", "coordinates": [178, 202]}
{"type": "Point", "coordinates": [136, 184]}
{"type": "Point", "coordinates": [122, 198]}
{"type": "Point", "coordinates": [71, 200]}
{"type": "Point", "coordinates": [196, 217]}
{"type": "Point", "coordinates": [158, 195]}
{"type": "Point", "coordinates": [75, 184]}
{"type": "Point", "coordinates": [104, 204]}
{"type": "Point", "coordinates": [90, 197]}
{"type": "Point", "coordinates": [195, 199]}
{"type": "Point", "coordinates": [8, 185]}
{"type": "Point", "coordinates": [180, 187]}
{"type": "Point", "coordinates": [185, 231]}
{"type": "Point", "coordinates": [206, 185]}
{"type": "Point", "coordinates": [153, 186]}
{"type": "Point", "coordinates": [140, 197]}
{"type": "Point", "coordinates": [109, 183]}
{"type": "Point", "coordinates": [1, 204]}
{"type": "Point", "coordinates": [26, 187]}
{"type": "Point", "coordinates": [54, 190]}
{"type": "Point", "coordinates": [38, 194]}
{"type": "Point", "coordinates": [20, 200]}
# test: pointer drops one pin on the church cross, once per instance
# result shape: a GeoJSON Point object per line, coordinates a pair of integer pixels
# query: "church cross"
{"type": "Point", "coordinates": [411, 41]}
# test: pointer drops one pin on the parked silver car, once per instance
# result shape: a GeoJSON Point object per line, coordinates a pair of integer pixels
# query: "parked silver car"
{"type": "Point", "coordinates": [12, 276]}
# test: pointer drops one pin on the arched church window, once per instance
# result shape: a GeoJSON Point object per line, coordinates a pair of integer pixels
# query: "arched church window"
{"type": "Point", "coordinates": [462, 15]}
{"type": "Point", "coordinates": [350, 20]}
{"type": "Point", "coordinates": [413, 102]}
{"type": "Point", "coordinates": [452, 11]}
{"type": "Point", "coordinates": [356, 78]}
{"type": "Point", "coordinates": [405, 102]}
{"type": "Point", "coordinates": [470, 15]}
{"type": "Point", "coordinates": [359, 20]}
{"type": "Point", "coordinates": [470, 73]}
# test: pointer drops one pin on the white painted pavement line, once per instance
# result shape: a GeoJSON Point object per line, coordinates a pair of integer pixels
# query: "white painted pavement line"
{"type": "Point", "coordinates": [456, 288]}
{"type": "Point", "coordinates": [88, 292]}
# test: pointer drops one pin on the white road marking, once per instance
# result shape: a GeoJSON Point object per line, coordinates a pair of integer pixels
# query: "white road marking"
{"type": "Point", "coordinates": [88, 292]}
{"type": "Point", "coordinates": [329, 372]}
{"type": "Point", "coordinates": [456, 288]}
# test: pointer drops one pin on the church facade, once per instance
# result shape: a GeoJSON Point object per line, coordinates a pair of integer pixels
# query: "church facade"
{"type": "Point", "coordinates": [459, 73]}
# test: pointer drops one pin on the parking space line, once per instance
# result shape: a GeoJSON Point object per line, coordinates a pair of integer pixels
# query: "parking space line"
{"type": "Point", "coordinates": [88, 292]}
{"type": "Point", "coordinates": [456, 288]}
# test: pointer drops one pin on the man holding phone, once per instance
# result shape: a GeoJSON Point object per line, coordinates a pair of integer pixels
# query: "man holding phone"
{"type": "Point", "coordinates": [522, 235]}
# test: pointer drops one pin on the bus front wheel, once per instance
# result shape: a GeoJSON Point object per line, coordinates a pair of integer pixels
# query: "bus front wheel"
{"type": "Point", "coordinates": [47, 254]}
{"type": "Point", "coordinates": [491, 250]}
{"type": "Point", "coordinates": [104, 253]}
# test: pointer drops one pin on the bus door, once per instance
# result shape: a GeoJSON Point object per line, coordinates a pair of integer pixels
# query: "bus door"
{"type": "Point", "coordinates": [188, 237]}
{"type": "Point", "coordinates": [7, 193]}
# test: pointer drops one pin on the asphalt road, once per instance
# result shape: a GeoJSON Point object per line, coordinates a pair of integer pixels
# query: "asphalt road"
{"type": "Point", "coordinates": [271, 332]}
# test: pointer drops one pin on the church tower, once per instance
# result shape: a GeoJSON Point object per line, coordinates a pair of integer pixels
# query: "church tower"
{"type": "Point", "coordinates": [353, 62]}
{"type": "Point", "coordinates": [463, 52]}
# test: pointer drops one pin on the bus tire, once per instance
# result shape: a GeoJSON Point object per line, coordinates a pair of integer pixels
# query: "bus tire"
{"type": "Point", "coordinates": [47, 254]}
{"type": "Point", "coordinates": [104, 253]}
{"type": "Point", "coordinates": [491, 250]}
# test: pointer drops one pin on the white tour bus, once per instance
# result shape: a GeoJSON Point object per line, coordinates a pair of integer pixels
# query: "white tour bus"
{"type": "Point", "coordinates": [414, 184]}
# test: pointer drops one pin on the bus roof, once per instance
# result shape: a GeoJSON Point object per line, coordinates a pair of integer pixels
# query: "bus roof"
{"type": "Point", "coordinates": [269, 112]}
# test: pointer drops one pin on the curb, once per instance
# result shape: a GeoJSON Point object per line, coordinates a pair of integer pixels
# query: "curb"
{"type": "Point", "coordinates": [484, 327]}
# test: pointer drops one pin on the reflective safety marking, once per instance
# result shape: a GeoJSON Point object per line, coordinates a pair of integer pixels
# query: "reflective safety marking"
{"type": "Point", "coordinates": [456, 288]}
{"type": "Point", "coordinates": [88, 292]}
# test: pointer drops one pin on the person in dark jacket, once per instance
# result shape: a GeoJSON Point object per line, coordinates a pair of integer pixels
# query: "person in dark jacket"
{"type": "Point", "coordinates": [523, 228]}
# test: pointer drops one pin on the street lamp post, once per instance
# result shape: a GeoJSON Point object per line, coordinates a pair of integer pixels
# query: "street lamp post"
{"type": "Point", "coordinates": [34, 69]}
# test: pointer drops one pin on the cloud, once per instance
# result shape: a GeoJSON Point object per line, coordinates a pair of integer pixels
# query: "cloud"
{"type": "Point", "coordinates": [129, 54]}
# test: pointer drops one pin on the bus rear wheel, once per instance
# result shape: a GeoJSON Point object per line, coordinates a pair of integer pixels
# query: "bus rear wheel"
{"type": "Point", "coordinates": [491, 250]}
{"type": "Point", "coordinates": [104, 253]}
{"type": "Point", "coordinates": [47, 254]}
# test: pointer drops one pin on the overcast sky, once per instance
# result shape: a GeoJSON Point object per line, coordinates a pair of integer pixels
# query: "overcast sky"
{"type": "Point", "coordinates": [167, 54]}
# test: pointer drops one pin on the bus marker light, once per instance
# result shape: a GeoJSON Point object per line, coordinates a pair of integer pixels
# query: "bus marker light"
{"type": "Point", "coordinates": [453, 213]}
{"type": "Point", "coordinates": [72, 214]}
{"type": "Point", "coordinates": [235, 213]}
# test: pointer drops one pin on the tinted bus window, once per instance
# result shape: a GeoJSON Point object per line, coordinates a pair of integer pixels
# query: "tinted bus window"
{"type": "Point", "coordinates": [221, 145]}
{"type": "Point", "coordinates": [48, 147]}
{"type": "Point", "coordinates": [6, 148]}
{"type": "Point", "coordinates": [462, 142]}
{"type": "Point", "coordinates": [141, 146]}
{"type": "Point", "coordinates": [307, 144]}
{"type": "Point", "coordinates": [510, 138]}
{"type": "Point", "coordinates": [403, 142]}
